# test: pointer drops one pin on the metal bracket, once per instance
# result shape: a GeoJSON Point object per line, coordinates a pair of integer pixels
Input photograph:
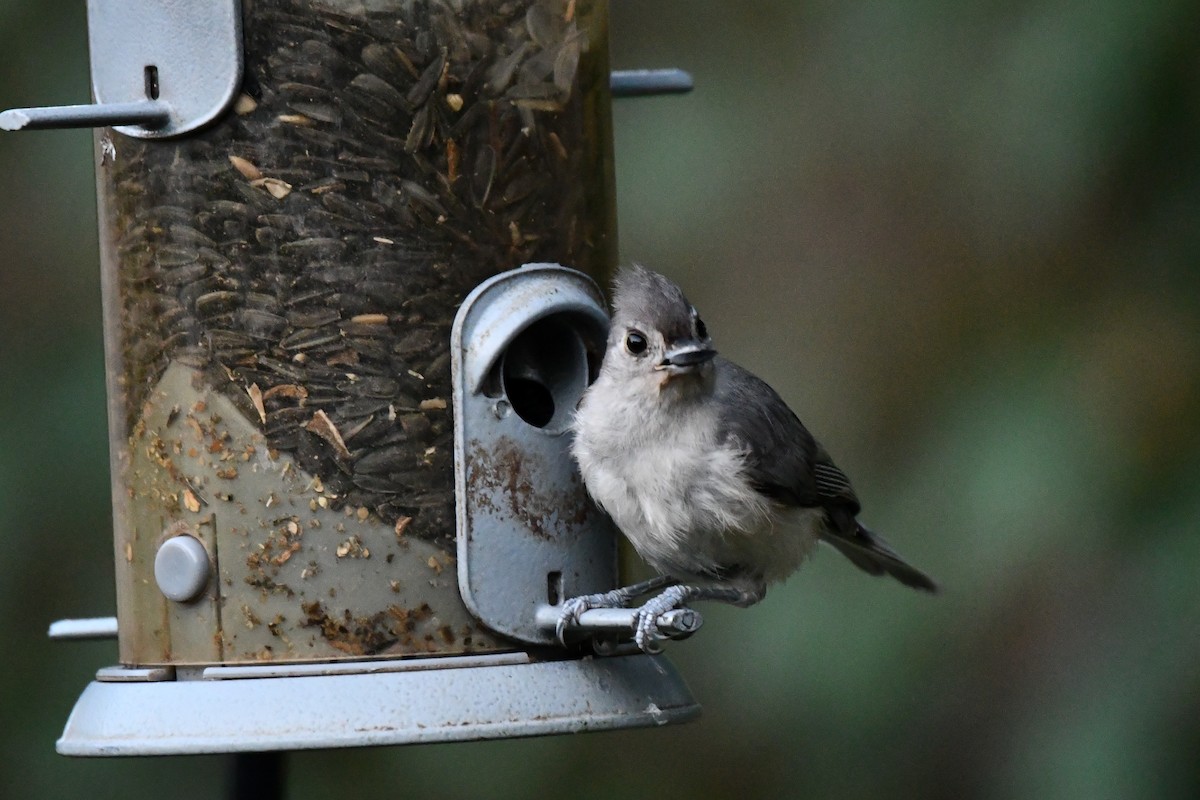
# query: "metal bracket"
{"type": "Point", "coordinates": [90, 628]}
{"type": "Point", "coordinates": [524, 346]}
{"type": "Point", "coordinates": [160, 68]}
{"type": "Point", "coordinates": [647, 82]}
{"type": "Point", "coordinates": [615, 625]}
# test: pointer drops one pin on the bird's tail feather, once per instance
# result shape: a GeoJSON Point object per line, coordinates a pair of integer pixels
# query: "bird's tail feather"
{"type": "Point", "coordinates": [872, 554]}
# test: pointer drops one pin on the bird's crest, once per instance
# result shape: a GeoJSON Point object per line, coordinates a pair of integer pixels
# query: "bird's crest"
{"type": "Point", "coordinates": [641, 296]}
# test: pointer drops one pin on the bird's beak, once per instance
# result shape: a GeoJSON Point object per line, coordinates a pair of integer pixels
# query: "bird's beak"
{"type": "Point", "coordinates": [686, 355]}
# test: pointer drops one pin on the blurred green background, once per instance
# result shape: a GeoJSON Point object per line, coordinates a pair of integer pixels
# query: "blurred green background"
{"type": "Point", "coordinates": [962, 240]}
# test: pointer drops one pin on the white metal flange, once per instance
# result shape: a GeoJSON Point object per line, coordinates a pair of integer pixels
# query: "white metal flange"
{"type": "Point", "coordinates": [383, 703]}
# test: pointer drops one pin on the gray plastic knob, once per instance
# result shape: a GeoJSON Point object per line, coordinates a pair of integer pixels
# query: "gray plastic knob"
{"type": "Point", "coordinates": [181, 568]}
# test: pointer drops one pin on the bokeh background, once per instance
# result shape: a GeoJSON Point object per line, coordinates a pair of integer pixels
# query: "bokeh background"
{"type": "Point", "coordinates": [962, 240]}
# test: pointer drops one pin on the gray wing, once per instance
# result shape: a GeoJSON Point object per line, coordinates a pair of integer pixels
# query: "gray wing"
{"type": "Point", "coordinates": [788, 465]}
{"type": "Point", "coordinates": [784, 461]}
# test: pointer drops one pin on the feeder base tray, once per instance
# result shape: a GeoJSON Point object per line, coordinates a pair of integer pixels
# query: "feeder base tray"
{"type": "Point", "coordinates": [130, 712]}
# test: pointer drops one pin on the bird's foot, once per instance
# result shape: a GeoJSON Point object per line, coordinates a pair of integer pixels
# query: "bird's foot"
{"type": "Point", "coordinates": [617, 598]}
{"type": "Point", "coordinates": [646, 632]}
{"type": "Point", "coordinates": [645, 625]}
{"type": "Point", "coordinates": [574, 607]}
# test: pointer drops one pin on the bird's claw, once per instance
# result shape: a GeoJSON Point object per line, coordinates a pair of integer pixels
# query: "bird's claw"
{"type": "Point", "coordinates": [651, 624]}
{"type": "Point", "coordinates": [575, 606]}
{"type": "Point", "coordinates": [569, 616]}
{"type": "Point", "coordinates": [646, 633]}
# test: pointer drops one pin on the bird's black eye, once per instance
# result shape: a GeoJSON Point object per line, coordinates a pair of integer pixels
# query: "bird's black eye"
{"type": "Point", "coordinates": [635, 342]}
{"type": "Point", "coordinates": [701, 328]}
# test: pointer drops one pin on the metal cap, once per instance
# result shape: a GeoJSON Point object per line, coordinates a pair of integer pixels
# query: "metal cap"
{"type": "Point", "coordinates": [181, 568]}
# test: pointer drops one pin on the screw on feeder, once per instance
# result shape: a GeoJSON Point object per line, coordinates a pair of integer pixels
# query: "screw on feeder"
{"type": "Point", "coordinates": [181, 568]}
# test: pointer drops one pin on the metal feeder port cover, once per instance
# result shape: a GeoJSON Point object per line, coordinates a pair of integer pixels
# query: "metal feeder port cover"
{"type": "Point", "coordinates": [153, 74]}
{"type": "Point", "coordinates": [524, 346]}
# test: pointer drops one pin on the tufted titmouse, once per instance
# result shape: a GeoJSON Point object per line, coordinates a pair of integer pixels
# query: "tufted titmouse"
{"type": "Point", "coordinates": [704, 468]}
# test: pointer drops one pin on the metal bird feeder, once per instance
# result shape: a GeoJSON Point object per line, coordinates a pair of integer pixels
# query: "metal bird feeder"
{"type": "Point", "coordinates": [341, 360]}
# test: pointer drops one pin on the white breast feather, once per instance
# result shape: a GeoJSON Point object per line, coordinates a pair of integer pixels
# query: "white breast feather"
{"type": "Point", "coordinates": [679, 495]}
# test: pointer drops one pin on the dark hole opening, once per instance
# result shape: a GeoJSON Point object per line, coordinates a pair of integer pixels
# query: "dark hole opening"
{"type": "Point", "coordinates": [544, 371]}
{"type": "Point", "coordinates": [553, 588]}
{"type": "Point", "coordinates": [531, 400]}
{"type": "Point", "coordinates": [152, 82]}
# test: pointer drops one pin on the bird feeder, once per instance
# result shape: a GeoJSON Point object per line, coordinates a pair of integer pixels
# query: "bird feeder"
{"type": "Point", "coordinates": [342, 353]}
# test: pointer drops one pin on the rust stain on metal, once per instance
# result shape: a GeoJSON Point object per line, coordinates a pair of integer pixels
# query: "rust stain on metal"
{"type": "Point", "coordinates": [509, 471]}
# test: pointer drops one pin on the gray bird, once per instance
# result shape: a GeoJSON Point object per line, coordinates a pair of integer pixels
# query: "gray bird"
{"type": "Point", "coordinates": [704, 468]}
